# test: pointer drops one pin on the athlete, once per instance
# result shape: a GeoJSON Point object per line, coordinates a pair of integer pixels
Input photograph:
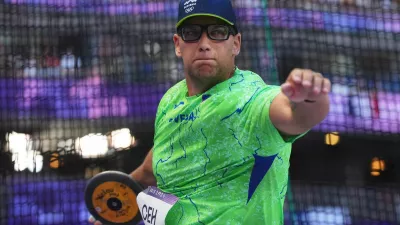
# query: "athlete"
{"type": "Point", "coordinates": [223, 137]}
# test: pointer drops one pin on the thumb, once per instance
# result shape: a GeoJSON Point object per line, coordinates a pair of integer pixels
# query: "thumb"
{"type": "Point", "coordinates": [91, 219]}
{"type": "Point", "coordinates": [287, 89]}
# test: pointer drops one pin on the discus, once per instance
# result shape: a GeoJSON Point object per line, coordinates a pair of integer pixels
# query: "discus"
{"type": "Point", "coordinates": [110, 197]}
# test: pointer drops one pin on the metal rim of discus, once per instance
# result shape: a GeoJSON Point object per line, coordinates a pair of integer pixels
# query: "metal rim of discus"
{"type": "Point", "coordinates": [110, 197]}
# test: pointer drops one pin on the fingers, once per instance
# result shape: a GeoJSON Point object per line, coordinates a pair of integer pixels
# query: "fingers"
{"type": "Point", "coordinates": [287, 89]}
{"type": "Point", "coordinates": [297, 76]}
{"type": "Point", "coordinates": [303, 77]}
{"type": "Point", "coordinates": [92, 220]}
{"type": "Point", "coordinates": [308, 77]}
{"type": "Point", "coordinates": [305, 84]}
{"type": "Point", "coordinates": [321, 85]}
{"type": "Point", "coordinates": [318, 82]}
{"type": "Point", "coordinates": [326, 86]}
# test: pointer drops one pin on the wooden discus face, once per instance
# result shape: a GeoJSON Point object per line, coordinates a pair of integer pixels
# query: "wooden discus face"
{"type": "Point", "coordinates": [115, 202]}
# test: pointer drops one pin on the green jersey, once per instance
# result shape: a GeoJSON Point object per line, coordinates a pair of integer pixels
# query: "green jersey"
{"type": "Point", "coordinates": [220, 154]}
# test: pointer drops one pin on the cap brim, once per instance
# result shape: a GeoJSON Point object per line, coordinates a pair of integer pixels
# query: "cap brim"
{"type": "Point", "coordinates": [202, 14]}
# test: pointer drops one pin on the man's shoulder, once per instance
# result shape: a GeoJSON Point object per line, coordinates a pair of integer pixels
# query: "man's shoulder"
{"type": "Point", "coordinates": [175, 91]}
{"type": "Point", "coordinates": [180, 86]}
{"type": "Point", "coordinates": [247, 72]}
{"type": "Point", "coordinates": [254, 81]}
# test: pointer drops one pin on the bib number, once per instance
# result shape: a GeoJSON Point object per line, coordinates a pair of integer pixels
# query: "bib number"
{"type": "Point", "coordinates": [154, 205]}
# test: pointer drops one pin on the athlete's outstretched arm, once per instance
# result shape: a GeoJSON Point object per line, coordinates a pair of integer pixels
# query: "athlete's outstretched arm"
{"type": "Point", "coordinates": [144, 173]}
{"type": "Point", "coordinates": [302, 103]}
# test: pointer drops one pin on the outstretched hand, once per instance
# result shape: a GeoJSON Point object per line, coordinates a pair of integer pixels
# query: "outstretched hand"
{"type": "Point", "coordinates": [303, 84]}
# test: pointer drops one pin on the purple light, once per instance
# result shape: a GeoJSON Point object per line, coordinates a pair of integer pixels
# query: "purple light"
{"type": "Point", "coordinates": [93, 98]}
{"type": "Point", "coordinates": [278, 17]}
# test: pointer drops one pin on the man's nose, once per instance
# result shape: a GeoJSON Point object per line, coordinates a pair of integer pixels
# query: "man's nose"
{"type": "Point", "coordinates": [204, 42]}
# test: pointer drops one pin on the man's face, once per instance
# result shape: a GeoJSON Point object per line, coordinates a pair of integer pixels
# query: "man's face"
{"type": "Point", "coordinates": [206, 58]}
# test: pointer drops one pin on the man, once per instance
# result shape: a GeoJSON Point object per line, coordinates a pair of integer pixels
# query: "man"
{"type": "Point", "coordinates": [222, 136]}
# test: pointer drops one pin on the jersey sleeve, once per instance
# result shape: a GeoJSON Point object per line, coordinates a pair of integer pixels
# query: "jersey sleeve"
{"type": "Point", "coordinates": [260, 112]}
{"type": "Point", "coordinates": [166, 100]}
{"type": "Point", "coordinates": [159, 114]}
{"type": "Point", "coordinates": [161, 110]}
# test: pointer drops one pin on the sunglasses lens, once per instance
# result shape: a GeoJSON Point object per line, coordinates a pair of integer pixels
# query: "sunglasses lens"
{"type": "Point", "coordinates": [215, 32]}
{"type": "Point", "coordinates": [218, 32]}
{"type": "Point", "coordinates": [191, 33]}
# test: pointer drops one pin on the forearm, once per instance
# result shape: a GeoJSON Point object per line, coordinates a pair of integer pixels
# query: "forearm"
{"type": "Point", "coordinates": [144, 173]}
{"type": "Point", "coordinates": [308, 114]}
{"type": "Point", "coordinates": [144, 177]}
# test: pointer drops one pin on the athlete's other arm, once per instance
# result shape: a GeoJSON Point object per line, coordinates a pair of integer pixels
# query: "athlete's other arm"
{"type": "Point", "coordinates": [144, 173]}
{"type": "Point", "coordinates": [302, 103]}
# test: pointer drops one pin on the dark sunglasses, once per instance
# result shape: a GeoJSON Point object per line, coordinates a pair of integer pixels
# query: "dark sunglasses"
{"type": "Point", "coordinates": [193, 32]}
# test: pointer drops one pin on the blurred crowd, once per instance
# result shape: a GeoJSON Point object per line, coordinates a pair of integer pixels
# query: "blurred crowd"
{"type": "Point", "coordinates": [315, 4]}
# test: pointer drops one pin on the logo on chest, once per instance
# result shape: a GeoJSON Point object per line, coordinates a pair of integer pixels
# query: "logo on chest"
{"type": "Point", "coordinates": [184, 117]}
{"type": "Point", "coordinates": [192, 116]}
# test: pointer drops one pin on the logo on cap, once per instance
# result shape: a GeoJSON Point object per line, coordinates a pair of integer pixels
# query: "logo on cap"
{"type": "Point", "coordinates": [189, 5]}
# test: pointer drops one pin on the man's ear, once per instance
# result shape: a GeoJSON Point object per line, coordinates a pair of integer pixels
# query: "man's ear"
{"type": "Point", "coordinates": [177, 46]}
{"type": "Point", "coordinates": [237, 42]}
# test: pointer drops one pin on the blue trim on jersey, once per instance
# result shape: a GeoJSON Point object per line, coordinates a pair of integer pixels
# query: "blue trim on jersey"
{"type": "Point", "coordinates": [261, 167]}
{"type": "Point", "coordinates": [205, 97]}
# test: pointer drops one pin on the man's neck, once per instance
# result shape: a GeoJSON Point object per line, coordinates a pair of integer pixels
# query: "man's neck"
{"type": "Point", "coordinates": [198, 86]}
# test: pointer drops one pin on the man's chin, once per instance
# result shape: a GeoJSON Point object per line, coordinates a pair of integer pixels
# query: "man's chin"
{"type": "Point", "coordinates": [205, 74]}
{"type": "Point", "coordinates": [206, 70]}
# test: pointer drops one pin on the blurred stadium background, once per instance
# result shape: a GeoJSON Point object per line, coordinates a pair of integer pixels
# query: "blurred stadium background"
{"type": "Point", "coordinates": [80, 81]}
